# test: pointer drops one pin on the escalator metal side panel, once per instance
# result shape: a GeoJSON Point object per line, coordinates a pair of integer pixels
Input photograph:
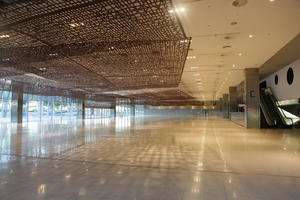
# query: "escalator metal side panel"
{"type": "Point", "coordinates": [269, 119]}
{"type": "Point", "coordinates": [282, 118]}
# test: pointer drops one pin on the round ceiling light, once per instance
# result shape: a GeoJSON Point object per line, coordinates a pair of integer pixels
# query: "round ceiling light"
{"type": "Point", "coordinates": [239, 3]}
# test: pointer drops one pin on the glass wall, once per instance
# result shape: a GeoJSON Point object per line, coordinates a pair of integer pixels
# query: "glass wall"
{"type": "Point", "coordinates": [139, 110]}
{"type": "Point", "coordinates": [124, 107]}
{"type": "Point", "coordinates": [96, 113]}
{"type": "Point", "coordinates": [37, 107]}
{"type": "Point", "coordinates": [96, 110]}
{"type": "Point", "coordinates": [5, 106]}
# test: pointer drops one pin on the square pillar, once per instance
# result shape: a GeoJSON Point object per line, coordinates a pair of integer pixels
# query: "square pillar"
{"type": "Point", "coordinates": [233, 103]}
{"type": "Point", "coordinates": [17, 107]}
{"type": "Point", "coordinates": [81, 110]}
{"type": "Point", "coordinates": [132, 105]}
{"type": "Point", "coordinates": [252, 98]}
{"type": "Point", "coordinates": [225, 106]}
{"type": "Point", "coordinates": [220, 106]}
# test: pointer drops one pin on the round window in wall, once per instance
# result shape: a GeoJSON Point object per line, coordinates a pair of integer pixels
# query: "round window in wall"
{"type": "Point", "coordinates": [276, 80]}
{"type": "Point", "coordinates": [290, 76]}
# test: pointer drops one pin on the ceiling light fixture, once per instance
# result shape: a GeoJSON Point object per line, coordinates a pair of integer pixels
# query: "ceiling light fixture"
{"type": "Point", "coordinates": [5, 59]}
{"type": "Point", "coordinates": [233, 65]}
{"type": "Point", "coordinates": [240, 54]}
{"type": "Point", "coordinates": [42, 68]}
{"type": "Point", "coordinates": [178, 10]}
{"type": "Point", "coordinates": [184, 41]}
{"type": "Point", "coordinates": [73, 25]}
{"type": "Point", "coordinates": [251, 36]}
{"type": "Point", "coordinates": [4, 36]}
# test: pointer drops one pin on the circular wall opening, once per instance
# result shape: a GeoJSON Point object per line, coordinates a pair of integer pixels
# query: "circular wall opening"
{"type": "Point", "coordinates": [290, 76]}
{"type": "Point", "coordinates": [276, 80]}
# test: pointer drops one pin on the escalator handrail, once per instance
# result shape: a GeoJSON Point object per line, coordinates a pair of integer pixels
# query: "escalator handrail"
{"type": "Point", "coordinates": [266, 112]}
{"type": "Point", "coordinates": [275, 100]}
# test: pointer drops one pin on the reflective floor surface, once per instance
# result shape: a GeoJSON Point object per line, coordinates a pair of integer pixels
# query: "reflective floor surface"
{"type": "Point", "coordinates": [149, 158]}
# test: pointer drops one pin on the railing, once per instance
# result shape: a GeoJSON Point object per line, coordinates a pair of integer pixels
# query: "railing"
{"type": "Point", "coordinates": [282, 115]}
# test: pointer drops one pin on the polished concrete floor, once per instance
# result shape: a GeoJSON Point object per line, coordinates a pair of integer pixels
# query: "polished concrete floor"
{"type": "Point", "coordinates": [157, 158]}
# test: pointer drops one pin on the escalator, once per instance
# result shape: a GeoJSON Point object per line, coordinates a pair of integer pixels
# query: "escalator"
{"type": "Point", "coordinates": [274, 115]}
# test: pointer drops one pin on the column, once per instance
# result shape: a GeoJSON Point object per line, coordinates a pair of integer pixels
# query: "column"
{"type": "Point", "coordinates": [17, 107]}
{"type": "Point", "coordinates": [225, 106]}
{"type": "Point", "coordinates": [221, 107]}
{"type": "Point", "coordinates": [251, 98]}
{"type": "Point", "coordinates": [233, 103]}
{"type": "Point", "coordinates": [81, 110]}
{"type": "Point", "coordinates": [132, 107]}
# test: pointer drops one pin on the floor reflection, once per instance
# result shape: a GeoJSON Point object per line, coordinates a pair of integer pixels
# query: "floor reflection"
{"type": "Point", "coordinates": [147, 158]}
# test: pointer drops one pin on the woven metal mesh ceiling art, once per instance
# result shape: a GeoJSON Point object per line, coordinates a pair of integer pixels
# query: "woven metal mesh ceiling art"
{"type": "Point", "coordinates": [91, 46]}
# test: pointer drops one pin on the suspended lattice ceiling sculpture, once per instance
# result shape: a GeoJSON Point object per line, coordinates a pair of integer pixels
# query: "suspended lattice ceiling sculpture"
{"type": "Point", "coordinates": [92, 46]}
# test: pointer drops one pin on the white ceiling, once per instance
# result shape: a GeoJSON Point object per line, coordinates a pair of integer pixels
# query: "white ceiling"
{"type": "Point", "coordinates": [208, 22]}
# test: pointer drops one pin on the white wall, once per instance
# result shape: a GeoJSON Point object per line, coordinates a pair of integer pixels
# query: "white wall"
{"type": "Point", "coordinates": [284, 91]}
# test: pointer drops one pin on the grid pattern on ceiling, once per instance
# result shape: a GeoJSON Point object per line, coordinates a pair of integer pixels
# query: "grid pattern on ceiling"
{"type": "Point", "coordinates": [91, 45]}
{"type": "Point", "coordinates": [175, 94]}
{"type": "Point", "coordinates": [41, 89]}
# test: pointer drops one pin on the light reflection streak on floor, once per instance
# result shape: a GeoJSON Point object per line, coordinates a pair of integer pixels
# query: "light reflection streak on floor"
{"type": "Point", "coordinates": [148, 158]}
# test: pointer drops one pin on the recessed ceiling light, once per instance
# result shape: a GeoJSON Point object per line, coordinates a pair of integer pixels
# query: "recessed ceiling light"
{"type": "Point", "coordinates": [233, 65]}
{"type": "Point", "coordinates": [251, 36]}
{"type": "Point", "coordinates": [240, 54]}
{"type": "Point", "coordinates": [4, 36]}
{"type": "Point", "coordinates": [196, 74]}
{"type": "Point", "coordinates": [239, 3]}
{"type": "Point", "coordinates": [271, 0]}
